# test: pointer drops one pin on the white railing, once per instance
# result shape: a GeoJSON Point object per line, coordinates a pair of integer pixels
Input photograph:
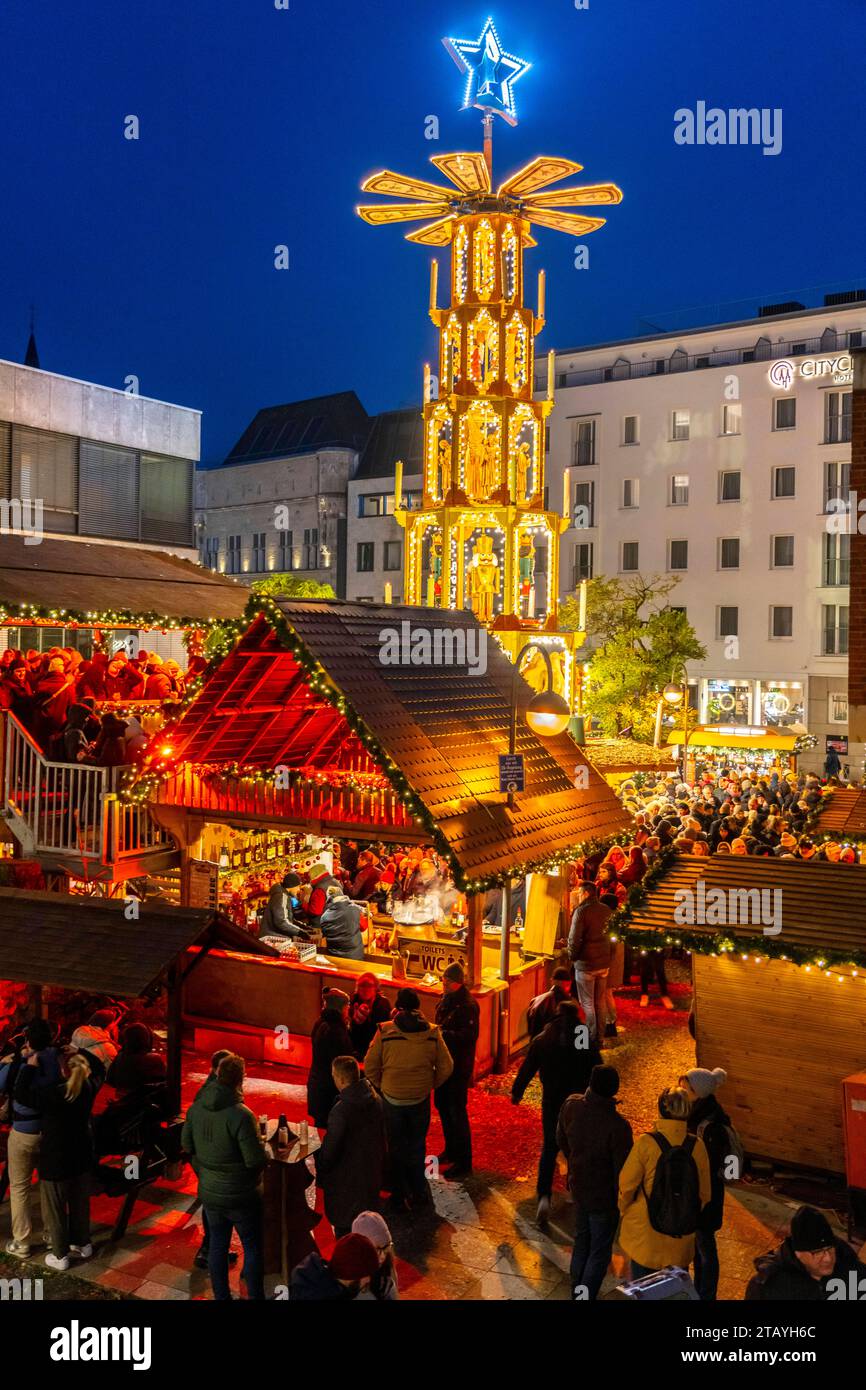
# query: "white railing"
{"type": "Point", "coordinates": [70, 808]}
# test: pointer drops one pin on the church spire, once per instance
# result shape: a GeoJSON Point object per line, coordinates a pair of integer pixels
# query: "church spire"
{"type": "Point", "coordinates": [31, 356]}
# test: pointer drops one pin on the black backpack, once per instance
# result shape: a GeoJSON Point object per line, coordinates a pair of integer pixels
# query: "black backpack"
{"type": "Point", "coordinates": [674, 1205]}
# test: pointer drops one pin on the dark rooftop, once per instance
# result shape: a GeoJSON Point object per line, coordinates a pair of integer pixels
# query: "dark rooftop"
{"type": "Point", "coordinates": [302, 427]}
{"type": "Point", "coordinates": [396, 434]}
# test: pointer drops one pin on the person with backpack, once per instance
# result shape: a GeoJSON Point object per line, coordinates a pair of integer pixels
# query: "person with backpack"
{"type": "Point", "coordinates": [664, 1186]}
{"type": "Point", "coordinates": [724, 1148]}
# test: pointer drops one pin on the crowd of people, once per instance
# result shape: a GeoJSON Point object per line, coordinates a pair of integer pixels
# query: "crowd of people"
{"type": "Point", "coordinates": [58, 694]}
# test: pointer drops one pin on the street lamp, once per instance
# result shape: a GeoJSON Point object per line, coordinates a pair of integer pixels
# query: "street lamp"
{"type": "Point", "coordinates": [674, 693]}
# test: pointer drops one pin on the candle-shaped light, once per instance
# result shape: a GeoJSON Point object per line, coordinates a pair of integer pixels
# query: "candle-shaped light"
{"type": "Point", "coordinates": [434, 285]}
{"type": "Point", "coordinates": [398, 484]}
{"type": "Point", "coordinates": [566, 493]}
{"type": "Point", "coordinates": [426, 391]}
{"type": "Point", "coordinates": [551, 369]}
{"type": "Point", "coordinates": [541, 283]}
{"type": "Point", "coordinates": [389, 591]}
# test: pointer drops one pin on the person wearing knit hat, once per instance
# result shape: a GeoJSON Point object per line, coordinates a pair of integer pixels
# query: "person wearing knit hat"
{"type": "Point", "coordinates": [595, 1141]}
{"type": "Point", "coordinates": [712, 1124]}
{"type": "Point", "coordinates": [811, 1266]}
{"type": "Point", "coordinates": [329, 1039]}
{"type": "Point", "coordinates": [383, 1286]}
{"type": "Point", "coordinates": [459, 1017]}
{"type": "Point", "coordinates": [353, 1264]}
{"type": "Point", "coordinates": [321, 879]}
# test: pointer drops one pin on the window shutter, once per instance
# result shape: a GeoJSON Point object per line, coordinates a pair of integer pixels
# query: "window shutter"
{"type": "Point", "coordinates": [108, 491]}
{"type": "Point", "coordinates": [5, 461]}
{"type": "Point", "coordinates": [45, 466]}
{"type": "Point", "coordinates": [166, 500]}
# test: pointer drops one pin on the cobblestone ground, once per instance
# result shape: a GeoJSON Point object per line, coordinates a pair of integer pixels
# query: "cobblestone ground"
{"type": "Point", "coordinates": [481, 1240]}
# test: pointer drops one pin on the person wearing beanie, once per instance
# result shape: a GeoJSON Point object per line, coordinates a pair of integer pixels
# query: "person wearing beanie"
{"type": "Point", "coordinates": [22, 1152]}
{"type": "Point", "coordinates": [458, 1016]}
{"type": "Point", "coordinates": [53, 693]}
{"type": "Point", "coordinates": [340, 924]}
{"type": "Point", "coordinates": [383, 1286]}
{"type": "Point", "coordinates": [137, 1063]}
{"type": "Point", "coordinates": [330, 1038]}
{"type": "Point", "coordinates": [543, 1007]}
{"type": "Point", "coordinates": [353, 1264]}
{"type": "Point", "coordinates": [596, 1141]}
{"type": "Point", "coordinates": [321, 879]}
{"type": "Point", "coordinates": [407, 1059]}
{"type": "Point", "coordinates": [277, 918]}
{"type": "Point", "coordinates": [713, 1125]}
{"type": "Point", "coordinates": [222, 1137]}
{"type": "Point", "coordinates": [351, 1162]}
{"type": "Point", "coordinates": [804, 1267]}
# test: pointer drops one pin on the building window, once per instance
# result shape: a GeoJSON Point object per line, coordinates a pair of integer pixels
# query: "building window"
{"type": "Point", "coordinates": [728, 621]}
{"type": "Point", "coordinates": [234, 554]}
{"type": "Point", "coordinates": [785, 413]}
{"type": "Point", "coordinates": [837, 484]}
{"type": "Point", "coordinates": [376, 504]}
{"type": "Point", "coordinates": [837, 551]}
{"type": "Point", "coordinates": [311, 549]}
{"type": "Point", "coordinates": [680, 490]}
{"type": "Point", "coordinates": [784, 481]}
{"type": "Point", "coordinates": [259, 552]}
{"type": "Point", "coordinates": [732, 419]}
{"type": "Point", "coordinates": [837, 707]}
{"type": "Point", "coordinates": [835, 630]}
{"type": "Point", "coordinates": [287, 551]}
{"type": "Point", "coordinates": [629, 559]}
{"type": "Point", "coordinates": [583, 450]}
{"type": "Point", "coordinates": [781, 621]}
{"type": "Point", "coordinates": [837, 417]}
{"type": "Point", "coordinates": [366, 557]}
{"type": "Point", "coordinates": [584, 505]}
{"type": "Point", "coordinates": [678, 555]}
{"type": "Point", "coordinates": [393, 556]}
{"type": "Point", "coordinates": [729, 553]}
{"type": "Point", "coordinates": [631, 429]}
{"type": "Point", "coordinates": [212, 552]}
{"type": "Point", "coordinates": [631, 492]}
{"type": "Point", "coordinates": [783, 552]}
{"type": "Point", "coordinates": [582, 563]}
{"type": "Point", "coordinates": [729, 487]}
{"type": "Point", "coordinates": [680, 424]}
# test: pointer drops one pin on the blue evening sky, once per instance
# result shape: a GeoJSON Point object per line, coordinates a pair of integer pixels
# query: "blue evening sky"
{"type": "Point", "coordinates": [156, 257]}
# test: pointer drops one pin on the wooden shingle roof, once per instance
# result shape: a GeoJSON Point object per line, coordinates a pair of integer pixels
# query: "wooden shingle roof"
{"type": "Point", "coordinates": [442, 725]}
{"type": "Point", "coordinates": [80, 577]}
{"type": "Point", "coordinates": [87, 943]}
{"type": "Point", "coordinates": [822, 905]}
{"type": "Point", "coordinates": [843, 813]}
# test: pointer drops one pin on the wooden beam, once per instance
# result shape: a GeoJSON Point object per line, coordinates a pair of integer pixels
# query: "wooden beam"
{"type": "Point", "coordinates": [174, 1039]}
{"type": "Point", "coordinates": [474, 938]}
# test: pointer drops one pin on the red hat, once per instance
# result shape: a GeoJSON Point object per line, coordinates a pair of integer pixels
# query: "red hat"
{"type": "Point", "coordinates": [354, 1257]}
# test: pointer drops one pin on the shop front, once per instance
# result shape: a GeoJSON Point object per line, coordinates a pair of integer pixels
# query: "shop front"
{"type": "Point", "coordinates": [757, 751]}
{"type": "Point", "coordinates": [304, 753]}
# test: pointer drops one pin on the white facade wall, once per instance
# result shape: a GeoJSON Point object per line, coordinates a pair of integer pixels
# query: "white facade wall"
{"type": "Point", "coordinates": [759, 448]}
{"type": "Point", "coordinates": [380, 532]}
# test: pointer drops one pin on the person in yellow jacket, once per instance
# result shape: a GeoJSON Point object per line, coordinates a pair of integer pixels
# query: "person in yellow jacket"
{"type": "Point", "coordinates": [406, 1060]}
{"type": "Point", "coordinates": [647, 1248]}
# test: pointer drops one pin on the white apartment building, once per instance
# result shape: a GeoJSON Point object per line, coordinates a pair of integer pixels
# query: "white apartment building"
{"type": "Point", "coordinates": [374, 549]}
{"type": "Point", "coordinates": [715, 455]}
{"type": "Point", "coordinates": [277, 503]}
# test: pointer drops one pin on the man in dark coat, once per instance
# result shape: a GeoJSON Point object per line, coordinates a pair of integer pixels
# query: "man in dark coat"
{"type": "Point", "coordinates": [341, 925]}
{"type": "Point", "coordinates": [277, 919]}
{"type": "Point", "coordinates": [563, 1055]}
{"type": "Point", "coordinates": [544, 1006]}
{"type": "Point", "coordinates": [330, 1038]}
{"type": "Point", "coordinates": [350, 1163]}
{"type": "Point", "coordinates": [589, 951]}
{"type": "Point", "coordinates": [458, 1017]}
{"type": "Point", "coordinates": [811, 1266]}
{"type": "Point", "coordinates": [596, 1141]}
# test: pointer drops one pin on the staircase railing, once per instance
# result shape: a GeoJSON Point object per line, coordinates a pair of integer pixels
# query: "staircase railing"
{"type": "Point", "coordinates": [70, 808]}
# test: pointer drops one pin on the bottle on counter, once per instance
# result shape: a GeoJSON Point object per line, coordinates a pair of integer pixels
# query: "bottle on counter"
{"type": "Point", "coordinates": [518, 921]}
{"type": "Point", "coordinates": [304, 1135]}
{"type": "Point", "coordinates": [282, 1139]}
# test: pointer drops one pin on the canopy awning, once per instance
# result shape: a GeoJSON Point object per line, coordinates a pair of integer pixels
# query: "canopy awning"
{"type": "Point", "coordinates": [760, 740]}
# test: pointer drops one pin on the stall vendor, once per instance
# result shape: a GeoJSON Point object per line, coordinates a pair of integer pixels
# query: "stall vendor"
{"type": "Point", "coordinates": [277, 919]}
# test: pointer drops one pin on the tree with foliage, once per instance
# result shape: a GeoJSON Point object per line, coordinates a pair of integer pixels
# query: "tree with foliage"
{"type": "Point", "coordinates": [640, 644]}
{"type": "Point", "coordinates": [290, 586]}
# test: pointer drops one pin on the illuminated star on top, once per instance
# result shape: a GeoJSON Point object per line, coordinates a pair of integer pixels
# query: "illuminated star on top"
{"type": "Point", "coordinates": [491, 71]}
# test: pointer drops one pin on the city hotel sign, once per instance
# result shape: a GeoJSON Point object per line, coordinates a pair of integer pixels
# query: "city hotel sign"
{"type": "Point", "coordinates": [839, 371]}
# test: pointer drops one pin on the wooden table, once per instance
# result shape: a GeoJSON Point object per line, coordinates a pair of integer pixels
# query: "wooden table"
{"type": "Point", "coordinates": [289, 1221]}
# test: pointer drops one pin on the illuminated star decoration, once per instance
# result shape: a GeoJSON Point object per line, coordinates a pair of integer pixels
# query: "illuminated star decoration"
{"type": "Point", "coordinates": [492, 72]}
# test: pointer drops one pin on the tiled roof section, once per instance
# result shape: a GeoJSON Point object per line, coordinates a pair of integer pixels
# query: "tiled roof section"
{"type": "Point", "coordinates": [444, 727]}
{"type": "Point", "coordinates": [843, 813]}
{"type": "Point", "coordinates": [823, 906]}
{"type": "Point", "coordinates": [87, 943]}
{"type": "Point", "coordinates": [396, 434]}
{"type": "Point", "coordinates": [279, 431]}
{"type": "Point", "coordinates": [85, 578]}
